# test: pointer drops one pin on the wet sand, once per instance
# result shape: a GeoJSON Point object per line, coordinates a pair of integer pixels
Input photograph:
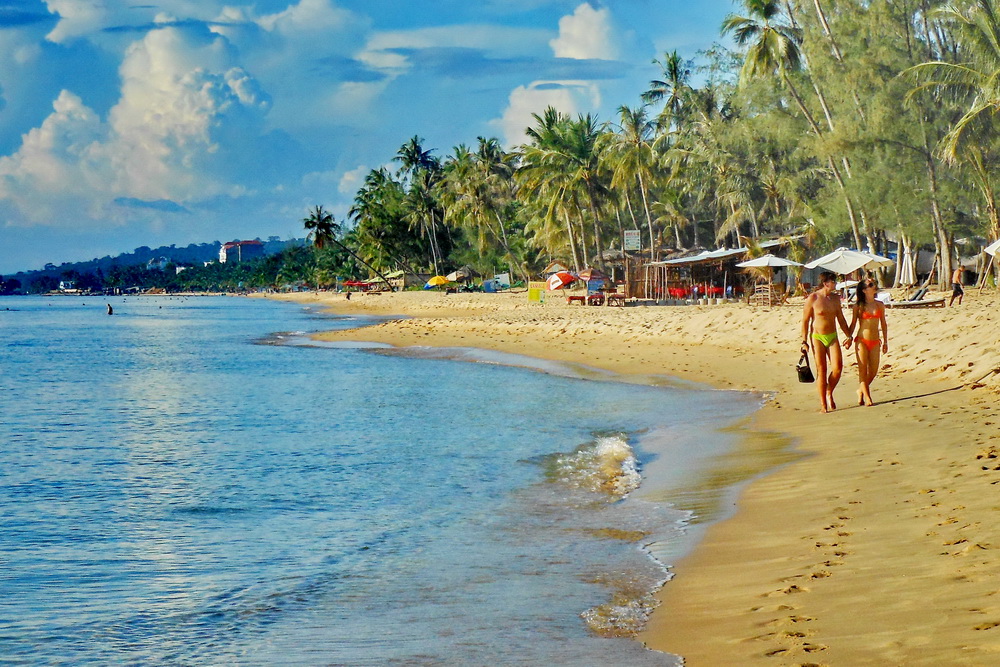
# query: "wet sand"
{"type": "Point", "coordinates": [878, 545]}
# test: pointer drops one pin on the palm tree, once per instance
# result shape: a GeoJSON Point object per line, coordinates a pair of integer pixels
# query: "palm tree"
{"type": "Point", "coordinates": [631, 153]}
{"type": "Point", "coordinates": [673, 88]}
{"type": "Point", "coordinates": [323, 229]}
{"type": "Point", "coordinates": [422, 171]}
{"type": "Point", "coordinates": [478, 193]}
{"type": "Point", "coordinates": [979, 77]}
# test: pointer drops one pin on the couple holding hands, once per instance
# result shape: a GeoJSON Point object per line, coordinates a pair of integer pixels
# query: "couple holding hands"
{"type": "Point", "coordinates": [820, 317]}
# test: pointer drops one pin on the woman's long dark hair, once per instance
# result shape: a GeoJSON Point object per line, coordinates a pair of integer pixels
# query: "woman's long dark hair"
{"type": "Point", "coordinates": [859, 291]}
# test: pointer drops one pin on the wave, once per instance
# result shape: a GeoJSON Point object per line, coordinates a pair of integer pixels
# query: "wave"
{"type": "Point", "coordinates": [607, 465]}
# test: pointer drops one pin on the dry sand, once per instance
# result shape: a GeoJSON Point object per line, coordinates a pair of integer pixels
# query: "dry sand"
{"type": "Point", "coordinates": [879, 545]}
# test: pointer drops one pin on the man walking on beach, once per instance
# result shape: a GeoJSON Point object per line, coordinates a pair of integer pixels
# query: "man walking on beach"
{"type": "Point", "coordinates": [820, 317]}
{"type": "Point", "coordinates": [956, 286]}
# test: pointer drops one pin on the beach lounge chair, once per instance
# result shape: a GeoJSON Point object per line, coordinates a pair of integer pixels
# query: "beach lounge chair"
{"type": "Point", "coordinates": [917, 300]}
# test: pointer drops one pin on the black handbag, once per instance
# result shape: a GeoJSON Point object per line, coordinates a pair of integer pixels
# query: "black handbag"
{"type": "Point", "coordinates": [802, 368]}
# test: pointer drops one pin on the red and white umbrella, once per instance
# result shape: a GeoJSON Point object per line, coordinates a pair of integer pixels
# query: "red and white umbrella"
{"type": "Point", "coordinates": [559, 280]}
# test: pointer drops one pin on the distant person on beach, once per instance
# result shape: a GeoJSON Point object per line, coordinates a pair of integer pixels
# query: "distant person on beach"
{"type": "Point", "coordinates": [820, 317]}
{"type": "Point", "coordinates": [348, 295]}
{"type": "Point", "coordinates": [868, 315]}
{"type": "Point", "coordinates": [111, 311]}
{"type": "Point", "coordinates": [956, 286]}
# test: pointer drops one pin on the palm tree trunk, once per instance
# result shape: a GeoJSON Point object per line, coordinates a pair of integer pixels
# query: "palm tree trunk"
{"type": "Point", "coordinates": [512, 259]}
{"type": "Point", "coordinates": [653, 254]}
{"type": "Point", "coordinates": [572, 240]}
{"type": "Point", "coordinates": [598, 242]}
{"type": "Point", "coordinates": [583, 230]}
{"type": "Point", "coordinates": [355, 256]}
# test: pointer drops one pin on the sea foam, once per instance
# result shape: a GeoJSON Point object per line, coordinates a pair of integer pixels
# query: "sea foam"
{"type": "Point", "coordinates": [607, 465]}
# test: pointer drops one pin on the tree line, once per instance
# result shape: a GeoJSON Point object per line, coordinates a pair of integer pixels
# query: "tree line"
{"type": "Point", "coordinates": [850, 123]}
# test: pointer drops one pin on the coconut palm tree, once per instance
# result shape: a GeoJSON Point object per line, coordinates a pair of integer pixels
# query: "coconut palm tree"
{"type": "Point", "coordinates": [672, 88]}
{"type": "Point", "coordinates": [422, 171]}
{"type": "Point", "coordinates": [323, 230]}
{"type": "Point", "coordinates": [631, 156]}
{"type": "Point", "coordinates": [322, 227]}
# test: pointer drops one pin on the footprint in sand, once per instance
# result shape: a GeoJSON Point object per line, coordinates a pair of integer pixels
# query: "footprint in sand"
{"type": "Point", "coordinates": [794, 588]}
{"type": "Point", "coordinates": [812, 648]}
{"type": "Point", "coordinates": [986, 626]}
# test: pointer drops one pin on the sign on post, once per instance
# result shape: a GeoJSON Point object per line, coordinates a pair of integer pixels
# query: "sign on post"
{"type": "Point", "coordinates": [632, 240]}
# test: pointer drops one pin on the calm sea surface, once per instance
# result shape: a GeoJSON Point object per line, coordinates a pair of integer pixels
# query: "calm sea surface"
{"type": "Point", "coordinates": [186, 482]}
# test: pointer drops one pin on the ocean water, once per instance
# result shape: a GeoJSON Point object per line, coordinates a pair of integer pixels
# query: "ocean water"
{"type": "Point", "coordinates": [190, 481]}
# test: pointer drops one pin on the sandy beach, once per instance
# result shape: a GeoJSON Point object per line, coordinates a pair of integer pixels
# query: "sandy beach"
{"type": "Point", "coordinates": [878, 545]}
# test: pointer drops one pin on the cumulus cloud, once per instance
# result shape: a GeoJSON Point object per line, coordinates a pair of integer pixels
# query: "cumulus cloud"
{"type": "Point", "coordinates": [351, 181]}
{"type": "Point", "coordinates": [76, 19]}
{"type": "Point", "coordinates": [586, 33]}
{"type": "Point", "coordinates": [569, 97]}
{"type": "Point", "coordinates": [180, 92]}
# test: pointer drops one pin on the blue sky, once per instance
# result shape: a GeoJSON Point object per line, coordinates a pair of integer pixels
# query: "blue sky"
{"type": "Point", "coordinates": [186, 121]}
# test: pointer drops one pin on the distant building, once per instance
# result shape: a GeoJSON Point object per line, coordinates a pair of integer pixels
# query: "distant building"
{"type": "Point", "coordinates": [239, 251]}
{"type": "Point", "coordinates": [67, 285]}
{"type": "Point", "coordinates": [157, 264]}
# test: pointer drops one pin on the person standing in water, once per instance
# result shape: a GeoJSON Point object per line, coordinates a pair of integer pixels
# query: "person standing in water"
{"type": "Point", "coordinates": [820, 317]}
{"type": "Point", "coordinates": [869, 316]}
{"type": "Point", "coordinates": [111, 311]}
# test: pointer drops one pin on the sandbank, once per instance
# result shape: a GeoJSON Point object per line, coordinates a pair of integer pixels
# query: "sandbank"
{"type": "Point", "coordinates": [879, 544]}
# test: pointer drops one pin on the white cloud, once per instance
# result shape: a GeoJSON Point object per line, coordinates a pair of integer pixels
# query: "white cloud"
{"type": "Point", "coordinates": [569, 97]}
{"type": "Point", "coordinates": [77, 18]}
{"type": "Point", "coordinates": [307, 17]}
{"type": "Point", "coordinates": [351, 181]}
{"type": "Point", "coordinates": [179, 92]}
{"type": "Point", "coordinates": [587, 33]}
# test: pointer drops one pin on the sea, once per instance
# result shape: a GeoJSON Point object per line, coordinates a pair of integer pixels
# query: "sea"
{"type": "Point", "coordinates": [195, 481]}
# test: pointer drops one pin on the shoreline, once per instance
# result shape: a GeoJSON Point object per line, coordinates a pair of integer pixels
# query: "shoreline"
{"type": "Point", "coordinates": [891, 515]}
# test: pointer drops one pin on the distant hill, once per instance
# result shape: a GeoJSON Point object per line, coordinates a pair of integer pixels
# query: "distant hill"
{"type": "Point", "coordinates": [195, 254]}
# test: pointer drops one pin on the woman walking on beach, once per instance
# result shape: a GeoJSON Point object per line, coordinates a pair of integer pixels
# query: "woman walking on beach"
{"type": "Point", "coordinates": [868, 315]}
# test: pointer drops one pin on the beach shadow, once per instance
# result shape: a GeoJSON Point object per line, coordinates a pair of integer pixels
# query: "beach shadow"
{"type": "Point", "coordinates": [916, 396]}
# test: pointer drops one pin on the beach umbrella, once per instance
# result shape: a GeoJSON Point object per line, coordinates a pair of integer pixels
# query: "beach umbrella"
{"type": "Point", "coordinates": [590, 274]}
{"type": "Point", "coordinates": [559, 280]}
{"type": "Point", "coordinates": [993, 248]}
{"type": "Point", "coordinates": [844, 261]}
{"type": "Point", "coordinates": [436, 281]}
{"type": "Point", "coordinates": [768, 260]}
{"type": "Point", "coordinates": [907, 274]}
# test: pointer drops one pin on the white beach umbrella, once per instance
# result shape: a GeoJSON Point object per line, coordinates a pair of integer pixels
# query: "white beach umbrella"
{"type": "Point", "coordinates": [907, 276]}
{"type": "Point", "coordinates": [768, 260]}
{"type": "Point", "coordinates": [993, 249]}
{"type": "Point", "coordinates": [844, 261]}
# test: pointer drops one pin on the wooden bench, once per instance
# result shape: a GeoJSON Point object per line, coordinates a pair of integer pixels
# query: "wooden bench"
{"type": "Point", "coordinates": [616, 299]}
{"type": "Point", "coordinates": [570, 300]}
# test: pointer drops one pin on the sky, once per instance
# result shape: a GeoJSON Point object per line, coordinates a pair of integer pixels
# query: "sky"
{"type": "Point", "coordinates": [127, 124]}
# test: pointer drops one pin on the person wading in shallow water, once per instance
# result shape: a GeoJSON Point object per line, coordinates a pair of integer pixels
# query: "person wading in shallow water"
{"type": "Point", "coordinates": [820, 317]}
{"type": "Point", "coordinates": [111, 311]}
